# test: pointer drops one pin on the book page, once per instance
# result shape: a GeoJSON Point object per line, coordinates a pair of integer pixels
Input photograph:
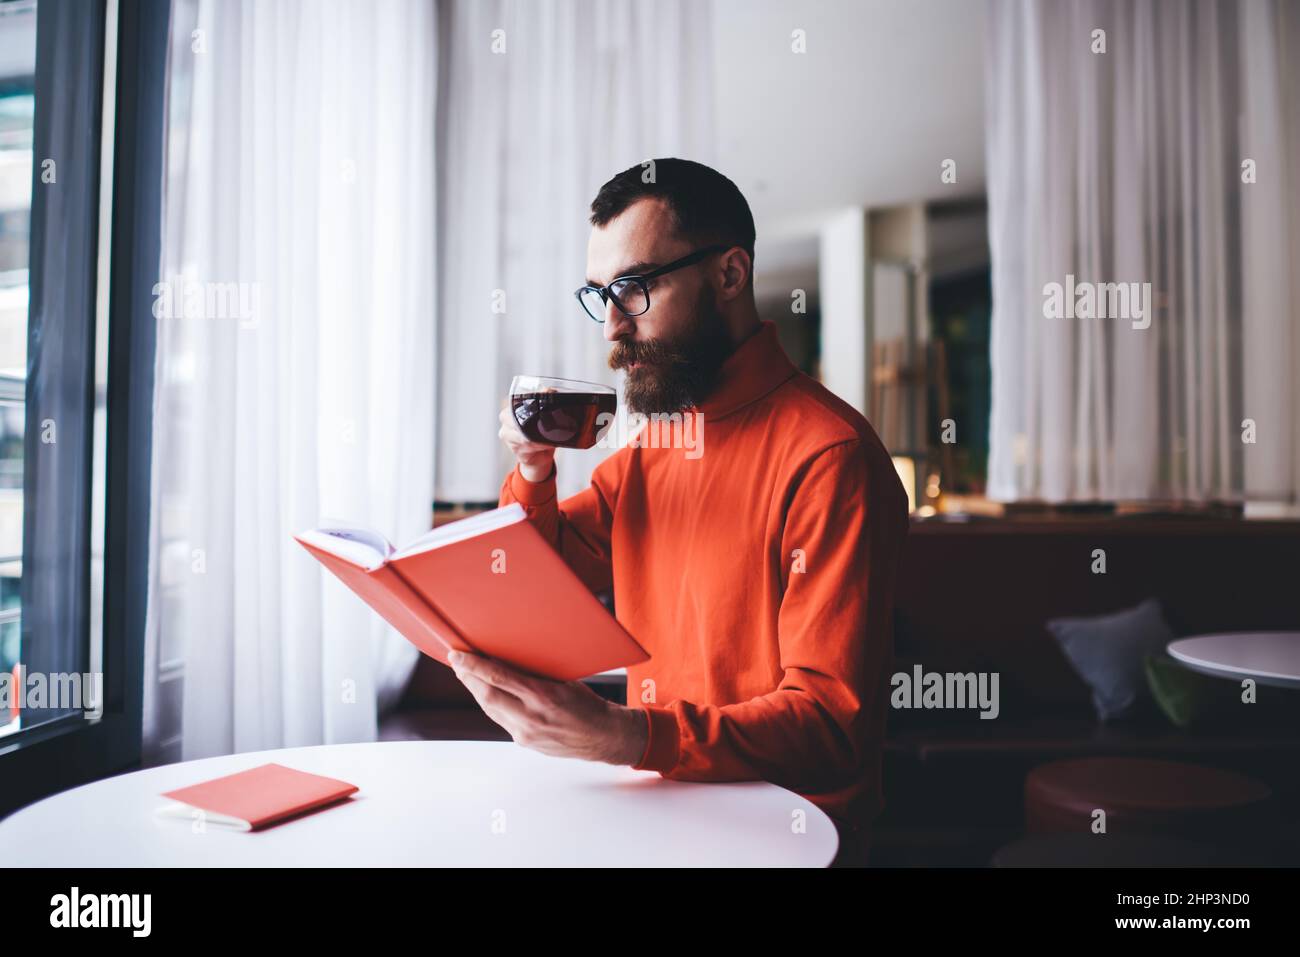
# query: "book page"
{"type": "Point", "coordinates": [463, 529]}
{"type": "Point", "coordinates": [357, 545]}
{"type": "Point", "coordinates": [189, 812]}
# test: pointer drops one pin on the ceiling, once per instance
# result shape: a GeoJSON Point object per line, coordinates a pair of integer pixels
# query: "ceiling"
{"type": "Point", "coordinates": [887, 90]}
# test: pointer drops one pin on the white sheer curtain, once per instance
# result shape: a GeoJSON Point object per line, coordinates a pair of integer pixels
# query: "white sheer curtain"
{"type": "Point", "coordinates": [1126, 166]}
{"type": "Point", "coordinates": [301, 183]}
{"type": "Point", "coordinates": [537, 117]}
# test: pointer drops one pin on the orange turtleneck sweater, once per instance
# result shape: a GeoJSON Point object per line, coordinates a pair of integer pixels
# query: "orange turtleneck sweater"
{"type": "Point", "coordinates": [758, 571]}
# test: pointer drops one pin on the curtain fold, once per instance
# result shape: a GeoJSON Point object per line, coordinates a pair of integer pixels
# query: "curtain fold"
{"type": "Point", "coordinates": [295, 364]}
{"type": "Point", "coordinates": [1124, 164]}
{"type": "Point", "coordinates": [545, 101]}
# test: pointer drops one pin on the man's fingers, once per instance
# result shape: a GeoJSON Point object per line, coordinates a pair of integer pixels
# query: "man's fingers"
{"type": "Point", "coordinates": [494, 673]}
{"type": "Point", "coordinates": [510, 434]}
{"type": "Point", "coordinates": [501, 706]}
{"type": "Point", "coordinates": [508, 425]}
{"type": "Point", "coordinates": [520, 445]}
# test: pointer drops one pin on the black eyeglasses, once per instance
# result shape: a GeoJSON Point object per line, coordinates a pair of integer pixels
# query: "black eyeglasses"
{"type": "Point", "coordinates": [630, 293]}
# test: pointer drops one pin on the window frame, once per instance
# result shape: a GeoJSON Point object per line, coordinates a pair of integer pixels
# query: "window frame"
{"type": "Point", "coordinates": [94, 261]}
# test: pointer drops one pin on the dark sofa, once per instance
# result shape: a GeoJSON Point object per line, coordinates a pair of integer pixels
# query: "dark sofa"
{"type": "Point", "coordinates": [977, 597]}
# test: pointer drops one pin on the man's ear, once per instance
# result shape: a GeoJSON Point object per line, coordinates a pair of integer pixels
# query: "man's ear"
{"type": "Point", "coordinates": [736, 267]}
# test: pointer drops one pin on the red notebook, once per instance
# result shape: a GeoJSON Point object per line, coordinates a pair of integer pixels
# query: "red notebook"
{"type": "Point", "coordinates": [258, 797]}
{"type": "Point", "coordinates": [490, 584]}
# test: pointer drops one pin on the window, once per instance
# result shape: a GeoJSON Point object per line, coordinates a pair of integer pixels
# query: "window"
{"type": "Point", "coordinates": [17, 106]}
{"type": "Point", "coordinates": [79, 237]}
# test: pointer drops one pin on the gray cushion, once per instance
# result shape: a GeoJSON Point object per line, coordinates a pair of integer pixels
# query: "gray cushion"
{"type": "Point", "coordinates": [1108, 652]}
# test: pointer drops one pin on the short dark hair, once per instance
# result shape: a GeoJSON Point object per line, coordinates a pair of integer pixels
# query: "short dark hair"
{"type": "Point", "coordinates": [707, 207]}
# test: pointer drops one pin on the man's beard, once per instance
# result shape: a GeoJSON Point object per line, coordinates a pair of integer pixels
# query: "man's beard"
{"type": "Point", "coordinates": [678, 372]}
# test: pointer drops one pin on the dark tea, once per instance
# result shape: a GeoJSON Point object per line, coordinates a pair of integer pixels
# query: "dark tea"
{"type": "Point", "coordinates": [569, 420]}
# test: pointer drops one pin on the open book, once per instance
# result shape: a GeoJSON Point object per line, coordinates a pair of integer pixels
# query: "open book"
{"type": "Point", "coordinates": [489, 584]}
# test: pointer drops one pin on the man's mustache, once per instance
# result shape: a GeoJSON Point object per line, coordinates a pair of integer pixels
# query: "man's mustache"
{"type": "Point", "coordinates": [649, 352]}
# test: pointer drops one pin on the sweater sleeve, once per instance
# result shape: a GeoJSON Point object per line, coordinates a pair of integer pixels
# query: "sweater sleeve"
{"type": "Point", "coordinates": [580, 527]}
{"type": "Point", "coordinates": [839, 547]}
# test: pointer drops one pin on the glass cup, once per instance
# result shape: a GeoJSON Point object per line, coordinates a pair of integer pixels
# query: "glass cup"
{"type": "Point", "coordinates": [566, 413]}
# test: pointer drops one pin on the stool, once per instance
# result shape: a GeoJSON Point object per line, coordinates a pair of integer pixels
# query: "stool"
{"type": "Point", "coordinates": [1142, 796]}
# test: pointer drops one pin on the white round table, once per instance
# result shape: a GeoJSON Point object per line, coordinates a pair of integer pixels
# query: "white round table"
{"type": "Point", "coordinates": [1270, 657]}
{"type": "Point", "coordinates": [432, 803]}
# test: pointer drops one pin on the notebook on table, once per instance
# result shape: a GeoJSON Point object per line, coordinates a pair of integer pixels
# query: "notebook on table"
{"type": "Point", "coordinates": [256, 798]}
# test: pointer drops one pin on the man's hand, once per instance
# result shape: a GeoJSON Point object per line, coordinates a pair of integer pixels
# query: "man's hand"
{"type": "Point", "coordinates": [534, 458]}
{"type": "Point", "coordinates": [564, 719]}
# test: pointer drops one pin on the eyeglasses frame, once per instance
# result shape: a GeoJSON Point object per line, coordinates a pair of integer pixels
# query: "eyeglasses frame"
{"type": "Point", "coordinates": [690, 259]}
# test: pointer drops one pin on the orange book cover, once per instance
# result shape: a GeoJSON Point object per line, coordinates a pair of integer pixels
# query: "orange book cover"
{"type": "Point", "coordinates": [263, 795]}
{"type": "Point", "coordinates": [491, 585]}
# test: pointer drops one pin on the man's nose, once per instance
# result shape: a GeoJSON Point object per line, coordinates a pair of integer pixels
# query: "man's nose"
{"type": "Point", "coordinates": [616, 324]}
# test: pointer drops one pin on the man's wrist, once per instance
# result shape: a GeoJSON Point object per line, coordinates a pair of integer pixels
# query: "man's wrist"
{"type": "Point", "coordinates": [632, 736]}
{"type": "Point", "coordinates": [537, 473]}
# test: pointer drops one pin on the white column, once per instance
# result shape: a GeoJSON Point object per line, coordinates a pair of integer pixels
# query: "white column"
{"type": "Point", "coordinates": [845, 292]}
